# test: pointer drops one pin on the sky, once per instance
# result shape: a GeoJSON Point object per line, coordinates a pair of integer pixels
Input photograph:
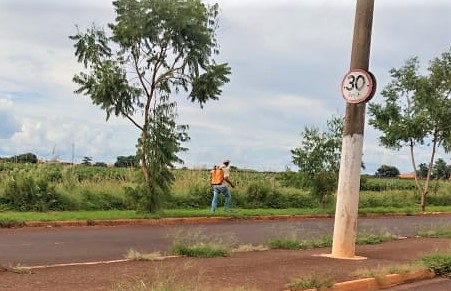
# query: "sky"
{"type": "Point", "coordinates": [288, 59]}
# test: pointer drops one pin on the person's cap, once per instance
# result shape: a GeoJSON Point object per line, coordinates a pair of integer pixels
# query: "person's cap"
{"type": "Point", "coordinates": [226, 161]}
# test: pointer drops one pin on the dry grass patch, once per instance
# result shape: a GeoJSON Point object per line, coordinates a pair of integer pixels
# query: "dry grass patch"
{"type": "Point", "coordinates": [381, 271]}
{"type": "Point", "coordinates": [249, 248]}
{"type": "Point", "coordinates": [134, 255]}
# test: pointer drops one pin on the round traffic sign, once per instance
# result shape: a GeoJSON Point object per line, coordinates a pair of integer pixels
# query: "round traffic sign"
{"type": "Point", "coordinates": [358, 86]}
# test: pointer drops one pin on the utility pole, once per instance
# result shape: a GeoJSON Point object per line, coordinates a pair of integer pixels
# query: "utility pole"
{"type": "Point", "coordinates": [358, 87]}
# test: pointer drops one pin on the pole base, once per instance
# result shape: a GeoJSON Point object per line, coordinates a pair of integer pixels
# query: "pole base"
{"type": "Point", "coordinates": [355, 258]}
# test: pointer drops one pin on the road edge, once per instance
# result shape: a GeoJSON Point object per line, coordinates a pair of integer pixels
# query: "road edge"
{"type": "Point", "coordinates": [198, 220]}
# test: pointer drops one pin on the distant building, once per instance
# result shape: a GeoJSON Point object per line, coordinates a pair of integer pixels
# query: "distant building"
{"type": "Point", "coordinates": [407, 176]}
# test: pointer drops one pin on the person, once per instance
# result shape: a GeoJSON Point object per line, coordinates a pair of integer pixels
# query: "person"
{"type": "Point", "coordinates": [222, 187]}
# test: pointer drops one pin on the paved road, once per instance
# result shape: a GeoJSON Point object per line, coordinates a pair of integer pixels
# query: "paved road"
{"type": "Point", "coordinates": [39, 246]}
{"type": "Point", "coordinates": [436, 284]}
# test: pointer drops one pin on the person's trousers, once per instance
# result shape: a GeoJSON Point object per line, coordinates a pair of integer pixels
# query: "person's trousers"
{"type": "Point", "coordinates": [217, 189]}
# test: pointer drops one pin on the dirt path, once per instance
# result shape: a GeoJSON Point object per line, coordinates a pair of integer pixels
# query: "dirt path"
{"type": "Point", "coordinates": [265, 270]}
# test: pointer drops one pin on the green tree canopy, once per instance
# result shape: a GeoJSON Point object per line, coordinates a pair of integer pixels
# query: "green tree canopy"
{"type": "Point", "coordinates": [22, 158]}
{"type": "Point", "coordinates": [126, 161]}
{"type": "Point", "coordinates": [387, 171]}
{"type": "Point", "coordinates": [318, 157]}
{"type": "Point", "coordinates": [156, 49]}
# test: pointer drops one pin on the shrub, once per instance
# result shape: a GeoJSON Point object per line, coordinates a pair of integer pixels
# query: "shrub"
{"type": "Point", "coordinates": [439, 263]}
{"type": "Point", "coordinates": [26, 194]}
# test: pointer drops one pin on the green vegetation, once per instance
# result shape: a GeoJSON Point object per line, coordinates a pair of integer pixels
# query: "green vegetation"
{"type": "Point", "coordinates": [49, 192]}
{"type": "Point", "coordinates": [318, 159]}
{"type": "Point", "coordinates": [439, 263]}
{"type": "Point", "coordinates": [387, 171]}
{"type": "Point", "coordinates": [195, 243]}
{"type": "Point", "coordinates": [444, 231]}
{"type": "Point", "coordinates": [206, 251]}
{"type": "Point", "coordinates": [292, 242]}
{"type": "Point", "coordinates": [164, 57]}
{"type": "Point", "coordinates": [415, 112]}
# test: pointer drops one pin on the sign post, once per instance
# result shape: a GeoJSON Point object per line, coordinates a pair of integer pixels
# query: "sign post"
{"type": "Point", "coordinates": [357, 88]}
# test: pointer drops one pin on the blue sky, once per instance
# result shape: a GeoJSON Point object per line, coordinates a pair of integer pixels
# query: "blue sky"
{"type": "Point", "coordinates": [287, 57]}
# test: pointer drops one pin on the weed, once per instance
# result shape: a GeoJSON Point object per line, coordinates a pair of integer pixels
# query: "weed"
{"type": "Point", "coordinates": [382, 271]}
{"type": "Point", "coordinates": [249, 248]}
{"type": "Point", "coordinates": [370, 239]}
{"type": "Point", "coordinates": [163, 279]}
{"type": "Point", "coordinates": [283, 243]}
{"type": "Point", "coordinates": [134, 255]}
{"type": "Point", "coordinates": [439, 263]}
{"type": "Point", "coordinates": [291, 242]}
{"type": "Point", "coordinates": [205, 251]}
{"type": "Point", "coordinates": [15, 269]}
{"type": "Point", "coordinates": [195, 243]}
{"type": "Point", "coordinates": [11, 223]}
{"type": "Point", "coordinates": [311, 282]}
{"type": "Point", "coordinates": [444, 232]}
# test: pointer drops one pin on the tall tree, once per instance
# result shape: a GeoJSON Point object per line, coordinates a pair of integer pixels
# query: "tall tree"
{"type": "Point", "coordinates": [156, 48]}
{"type": "Point", "coordinates": [318, 158]}
{"type": "Point", "coordinates": [417, 110]}
{"type": "Point", "coordinates": [86, 161]}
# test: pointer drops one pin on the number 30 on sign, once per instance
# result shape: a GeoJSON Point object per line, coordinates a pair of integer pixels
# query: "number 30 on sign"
{"type": "Point", "coordinates": [358, 86]}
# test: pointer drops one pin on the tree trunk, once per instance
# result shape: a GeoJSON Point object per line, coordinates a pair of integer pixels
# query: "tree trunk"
{"type": "Point", "coordinates": [428, 178]}
{"type": "Point", "coordinates": [412, 158]}
{"type": "Point", "coordinates": [146, 170]}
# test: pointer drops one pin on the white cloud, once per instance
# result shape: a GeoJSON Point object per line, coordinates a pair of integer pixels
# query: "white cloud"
{"type": "Point", "coordinates": [287, 58]}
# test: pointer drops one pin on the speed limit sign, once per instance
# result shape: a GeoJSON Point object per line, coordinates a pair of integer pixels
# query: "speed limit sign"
{"type": "Point", "coordinates": [358, 86]}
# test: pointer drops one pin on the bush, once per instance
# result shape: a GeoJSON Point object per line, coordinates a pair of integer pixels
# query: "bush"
{"type": "Point", "coordinates": [26, 194]}
{"type": "Point", "coordinates": [439, 263]}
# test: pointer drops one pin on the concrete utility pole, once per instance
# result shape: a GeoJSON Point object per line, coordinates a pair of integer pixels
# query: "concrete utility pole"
{"type": "Point", "coordinates": [345, 228]}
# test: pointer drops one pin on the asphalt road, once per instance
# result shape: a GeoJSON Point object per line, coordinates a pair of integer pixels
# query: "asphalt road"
{"type": "Point", "coordinates": [435, 284]}
{"type": "Point", "coordinates": [42, 246]}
